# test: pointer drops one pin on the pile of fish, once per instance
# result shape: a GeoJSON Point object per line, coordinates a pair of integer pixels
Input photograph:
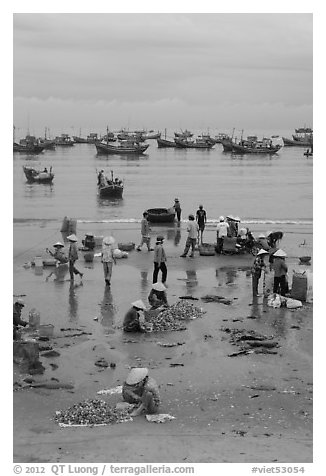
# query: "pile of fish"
{"type": "Point", "coordinates": [169, 319]}
{"type": "Point", "coordinates": [91, 412]}
{"type": "Point", "coordinates": [250, 341]}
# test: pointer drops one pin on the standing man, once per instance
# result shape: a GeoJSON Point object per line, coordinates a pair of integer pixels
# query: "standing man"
{"type": "Point", "coordinates": [221, 231]}
{"type": "Point", "coordinates": [159, 260]}
{"type": "Point", "coordinates": [73, 256]}
{"type": "Point", "coordinates": [192, 229]}
{"type": "Point", "coordinates": [201, 219]}
{"type": "Point", "coordinates": [108, 258]}
{"type": "Point", "coordinates": [144, 230]}
{"type": "Point", "coordinates": [177, 208]}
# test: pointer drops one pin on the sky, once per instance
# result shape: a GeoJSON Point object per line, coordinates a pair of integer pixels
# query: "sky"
{"type": "Point", "coordinates": [82, 72]}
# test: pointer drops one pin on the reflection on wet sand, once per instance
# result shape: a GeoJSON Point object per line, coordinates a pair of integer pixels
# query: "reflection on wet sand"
{"type": "Point", "coordinates": [108, 311]}
{"type": "Point", "coordinates": [191, 280]}
{"type": "Point", "coordinates": [59, 273]}
{"type": "Point", "coordinates": [73, 302]}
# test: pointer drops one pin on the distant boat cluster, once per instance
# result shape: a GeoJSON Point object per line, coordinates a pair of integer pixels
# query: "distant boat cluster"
{"type": "Point", "coordinates": [133, 142]}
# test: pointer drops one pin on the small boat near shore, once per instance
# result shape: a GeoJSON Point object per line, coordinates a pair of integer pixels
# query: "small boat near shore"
{"type": "Point", "coordinates": [38, 176]}
{"type": "Point", "coordinates": [161, 215]}
{"type": "Point", "coordinates": [109, 188]}
{"type": "Point", "coordinates": [164, 142]}
{"type": "Point", "coordinates": [125, 147]}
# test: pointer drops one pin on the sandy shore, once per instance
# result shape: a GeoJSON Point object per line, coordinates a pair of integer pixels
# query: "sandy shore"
{"type": "Point", "coordinates": [250, 408]}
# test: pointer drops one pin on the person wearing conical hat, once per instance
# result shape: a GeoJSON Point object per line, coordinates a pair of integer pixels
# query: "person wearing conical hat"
{"type": "Point", "coordinates": [257, 267]}
{"type": "Point", "coordinates": [133, 317]}
{"type": "Point", "coordinates": [58, 253]}
{"type": "Point", "coordinates": [108, 258]}
{"type": "Point", "coordinates": [157, 296]}
{"type": "Point", "coordinates": [142, 390]}
{"type": "Point", "coordinates": [280, 273]}
{"type": "Point", "coordinates": [73, 256]}
{"type": "Point", "coordinates": [221, 232]}
{"type": "Point", "coordinates": [262, 240]}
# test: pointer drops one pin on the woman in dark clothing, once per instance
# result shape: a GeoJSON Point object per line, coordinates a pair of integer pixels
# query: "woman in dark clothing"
{"type": "Point", "coordinates": [131, 322]}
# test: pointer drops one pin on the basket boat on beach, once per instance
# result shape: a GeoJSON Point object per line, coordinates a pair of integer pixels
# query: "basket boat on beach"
{"type": "Point", "coordinates": [206, 249]}
{"type": "Point", "coordinates": [161, 215]}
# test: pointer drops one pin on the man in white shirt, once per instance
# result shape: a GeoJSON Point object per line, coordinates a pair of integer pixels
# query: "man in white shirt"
{"type": "Point", "coordinates": [221, 232]}
{"type": "Point", "coordinates": [192, 229]}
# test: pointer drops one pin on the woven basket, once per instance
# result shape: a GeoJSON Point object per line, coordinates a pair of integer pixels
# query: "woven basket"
{"type": "Point", "coordinates": [126, 246]}
{"type": "Point", "coordinates": [206, 249]}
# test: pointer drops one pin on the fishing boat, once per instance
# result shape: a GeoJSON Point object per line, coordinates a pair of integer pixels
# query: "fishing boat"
{"type": "Point", "coordinates": [151, 135]}
{"type": "Point", "coordinates": [227, 144]}
{"type": "Point", "coordinates": [199, 143]}
{"type": "Point", "coordinates": [258, 147]}
{"type": "Point", "coordinates": [303, 137]}
{"type": "Point", "coordinates": [165, 142]}
{"type": "Point", "coordinates": [161, 215]}
{"type": "Point", "coordinates": [29, 145]}
{"type": "Point", "coordinates": [109, 188]}
{"type": "Point", "coordinates": [92, 138]}
{"type": "Point", "coordinates": [39, 176]}
{"type": "Point", "coordinates": [79, 140]}
{"type": "Point", "coordinates": [124, 147]}
{"type": "Point", "coordinates": [183, 134]}
{"type": "Point", "coordinates": [221, 137]}
{"type": "Point", "coordinates": [308, 153]}
{"type": "Point", "coordinates": [64, 140]}
{"type": "Point", "coordinates": [207, 138]}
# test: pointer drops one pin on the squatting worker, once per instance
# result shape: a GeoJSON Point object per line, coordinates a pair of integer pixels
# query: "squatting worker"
{"type": "Point", "coordinates": [144, 230]}
{"type": "Point", "coordinates": [159, 260]}
{"type": "Point", "coordinates": [280, 272]}
{"type": "Point", "coordinates": [58, 253]}
{"type": "Point", "coordinates": [134, 316]}
{"type": "Point", "coordinates": [192, 229]}
{"type": "Point", "coordinates": [108, 258]}
{"type": "Point", "coordinates": [73, 256]}
{"type": "Point", "coordinates": [17, 320]}
{"type": "Point", "coordinates": [142, 390]}
{"type": "Point", "coordinates": [256, 270]}
{"type": "Point", "coordinates": [157, 297]}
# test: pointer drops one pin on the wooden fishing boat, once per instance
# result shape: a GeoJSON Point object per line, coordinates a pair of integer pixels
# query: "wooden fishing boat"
{"type": "Point", "coordinates": [227, 144]}
{"type": "Point", "coordinates": [190, 144]}
{"type": "Point", "coordinates": [183, 134]}
{"type": "Point", "coordinates": [165, 143]}
{"type": "Point", "coordinates": [47, 143]}
{"type": "Point", "coordinates": [160, 215]}
{"type": "Point", "coordinates": [256, 148]}
{"type": "Point", "coordinates": [28, 148]}
{"type": "Point", "coordinates": [303, 137]}
{"type": "Point", "coordinates": [124, 147]}
{"type": "Point", "coordinates": [64, 140]}
{"type": "Point", "coordinates": [308, 153]}
{"type": "Point", "coordinates": [151, 135]}
{"type": "Point", "coordinates": [38, 176]}
{"type": "Point", "coordinates": [92, 138]}
{"type": "Point", "coordinates": [109, 188]}
{"type": "Point", "coordinates": [79, 140]}
{"type": "Point", "coordinates": [29, 145]}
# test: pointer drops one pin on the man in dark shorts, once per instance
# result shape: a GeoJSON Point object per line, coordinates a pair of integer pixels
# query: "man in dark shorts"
{"type": "Point", "coordinates": [201, 220]}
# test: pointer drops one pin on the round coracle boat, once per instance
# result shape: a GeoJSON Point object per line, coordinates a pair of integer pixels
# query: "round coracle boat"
{"type": "Point", "coordinates": [161, 215]}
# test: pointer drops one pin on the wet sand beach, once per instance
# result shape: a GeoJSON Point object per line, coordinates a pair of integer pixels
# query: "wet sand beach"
{"type": "Point", "coordinates": [247, 408]}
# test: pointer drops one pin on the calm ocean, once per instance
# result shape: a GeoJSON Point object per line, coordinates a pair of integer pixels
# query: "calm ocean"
{"type": "Point", "coordinates": [259, 189]}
